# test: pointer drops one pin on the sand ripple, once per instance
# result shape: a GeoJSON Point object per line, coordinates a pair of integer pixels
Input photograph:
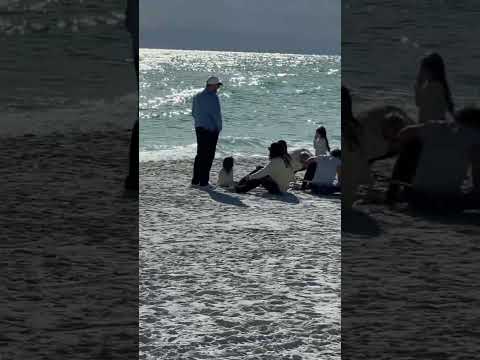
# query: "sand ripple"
{"type": "Point", "coordinates": [236, 277]}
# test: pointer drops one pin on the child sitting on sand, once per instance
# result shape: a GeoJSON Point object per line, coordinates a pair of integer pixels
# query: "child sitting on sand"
{"type": "Point", "coordinates": [225, 176]}
{"type": "Point", "coordinates": [320, 142]}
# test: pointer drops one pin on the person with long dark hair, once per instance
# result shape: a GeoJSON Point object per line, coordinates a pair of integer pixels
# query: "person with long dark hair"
{"type": "Point", "coordinates": [432, 92]}
{"type": "Point", "coordinates": [320, 142]}
{"type": "Point", "coordinates": [275, 177]}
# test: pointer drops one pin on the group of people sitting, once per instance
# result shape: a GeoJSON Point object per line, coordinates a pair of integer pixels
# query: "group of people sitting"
{"type": "Point", "coordinates": [434, 155]}
{"type": "Point", "coordinates": [322, 174]}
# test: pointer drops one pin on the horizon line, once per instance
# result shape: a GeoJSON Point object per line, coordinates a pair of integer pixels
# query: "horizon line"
{"type": "Point", "coordinates": [238, 51]}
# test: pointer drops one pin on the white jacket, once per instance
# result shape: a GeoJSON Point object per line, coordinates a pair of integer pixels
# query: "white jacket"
{"type": "Point", "coordinates": [278, 171]}
{"type": "Point", "coordinates": [225, 179]}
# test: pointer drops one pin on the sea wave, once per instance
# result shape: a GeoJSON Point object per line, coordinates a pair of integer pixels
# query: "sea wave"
{"type": "Point", "coordinates": [238, 147]}
{"type": "Point", "coordinates": [88, 115]}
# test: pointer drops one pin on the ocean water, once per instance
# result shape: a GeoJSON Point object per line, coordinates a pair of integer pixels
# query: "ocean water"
{"type": "Point", "coordinates": [383, 43]}
{"type": "Point", "coordinates": [65, 60]}
{"type": "Point", "coordinates": [265, 97]}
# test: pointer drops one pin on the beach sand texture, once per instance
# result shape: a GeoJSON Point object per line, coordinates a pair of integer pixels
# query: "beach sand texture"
{"type": "Point", "coordinates": [231, 276]}
{"type": "Point", "coordinates": [68, 228]}
{"type": "Point", "coordinates": [407, 277]}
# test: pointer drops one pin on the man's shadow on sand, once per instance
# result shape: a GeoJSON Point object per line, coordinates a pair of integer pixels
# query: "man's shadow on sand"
{"type": "Point", "coordinates": [470, 217]}
{"type": "Point", "coordinates": [228, 199]}
{"type": "Point", "coordinates": [356, 222]}
{"type": "Point", "coordinates": [288, 198]}
{"type": "Point", "coordinates": [224, 198]}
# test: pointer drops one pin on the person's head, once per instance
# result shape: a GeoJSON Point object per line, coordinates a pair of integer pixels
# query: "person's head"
{"type": "Point", "coordinates": [213, 84]}
{"type": "Point", "coordinates": [432, 68]}
{"type": "Point", "coordinates": [228, 164]}
{"type": "Point", "coordinates": [336, 153]}
{"type": "Point", "coordinates": [276, 150]}
{"type": "Point", "coordinates": [284, 146]}
{"type": "Point", "coordinates": [468, 117]}
{"type": "Point", "coordinates": [321, 132]}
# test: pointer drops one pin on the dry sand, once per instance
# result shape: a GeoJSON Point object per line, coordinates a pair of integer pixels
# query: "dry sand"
{"type": "Point", "coordinates": [229, 276]}
{"type": "Point", "coordinates": [408, 277]}
{"type": "Point", "coordinates": [68, 229]}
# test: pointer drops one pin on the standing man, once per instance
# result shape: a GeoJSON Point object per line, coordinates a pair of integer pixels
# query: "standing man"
{"type": "Point", "coordinates": [208, 124]}
{"type": "Point", "coordinates": [131, 22]}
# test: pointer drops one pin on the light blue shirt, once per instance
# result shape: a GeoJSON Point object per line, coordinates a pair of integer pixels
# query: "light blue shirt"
{"type": "Point", "coordinates": [206, 111]}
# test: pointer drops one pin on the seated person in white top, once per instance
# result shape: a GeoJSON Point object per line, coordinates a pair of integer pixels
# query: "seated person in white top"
{"type": "Point", "coordinates": [275, 177]}
{"type": "Point", "coordinates": [320, 142]}
{"type": "Point", "coordinates": [433, 163]}
{"type": "Point", "coordinates": [324, 173]}
{"type": "Point", "coordinates": [225, 176]}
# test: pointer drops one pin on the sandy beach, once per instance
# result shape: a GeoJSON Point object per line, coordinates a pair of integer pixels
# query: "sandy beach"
{"type": "Point", "coordinates": [68, 229]}
{"type": "Point", "coordinates": [231, 276]}
{"type": "Point", "coordinates": [405, 277]}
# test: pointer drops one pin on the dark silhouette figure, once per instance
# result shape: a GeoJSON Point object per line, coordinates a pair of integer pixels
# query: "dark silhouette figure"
{"type": "Point", "coordinates": [131, 22]}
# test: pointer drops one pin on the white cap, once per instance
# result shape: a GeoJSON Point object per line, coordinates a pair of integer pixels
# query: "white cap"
{"type": "Point", "coordinates": [213, 80]}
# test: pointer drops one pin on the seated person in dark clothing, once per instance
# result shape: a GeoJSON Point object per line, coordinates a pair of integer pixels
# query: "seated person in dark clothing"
{"type": "Point", "coordinates": [323, 173]}
{"type": "Point", "coordinates": [275, 177]}
{"type": "Point", "coordinates": [433, 163]}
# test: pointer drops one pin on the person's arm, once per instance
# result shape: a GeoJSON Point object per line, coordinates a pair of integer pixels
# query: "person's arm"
{"type": "Point", "coordinates": [417, 94]}
{"type": "Point", "coordinates": [409, 133]}
{"type": "Point", "coordinates": [339, 172]}
{"type": "Point", "coordinates": [310, 160]}
{"type": "Point", "coordinates": [266, 171]}
{"type": "Point", "coordinates": [389, 154]}
{"type": "Point", "coordinates": [215, 114]}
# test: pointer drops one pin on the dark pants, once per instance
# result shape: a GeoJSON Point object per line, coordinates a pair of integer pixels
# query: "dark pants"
{"type": "Point", "coordinates": [267, 182]}
{"type": "Point", "coordinates": [405, 168]}
{"type": "Point", "coordinates": [475, 157]}
{"type": "Point", "coordinates": [309, 174]}
{"type": "Point", "coordinates": [132, 179]}
{"type": "Point", "coordinates": [318, 189]}
{"type": "Point", "coordinates": [325, 189]}
{"type": "Point", "coordinates": [206, 147]}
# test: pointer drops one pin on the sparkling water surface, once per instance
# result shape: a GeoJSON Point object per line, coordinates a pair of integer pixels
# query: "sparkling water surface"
{"type": "Point", "coordinates": [266, 97]}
